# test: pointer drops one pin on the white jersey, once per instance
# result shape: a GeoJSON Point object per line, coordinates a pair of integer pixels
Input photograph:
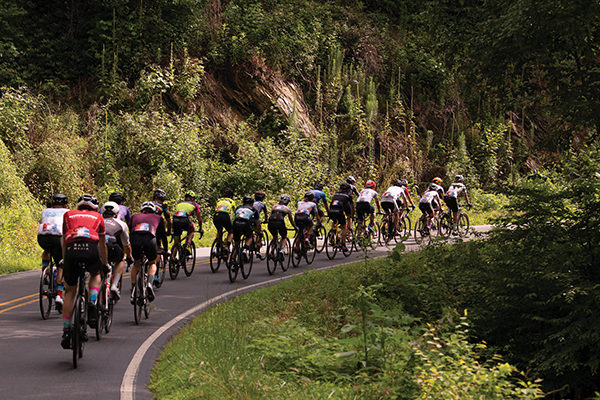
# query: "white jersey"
{"type": "Point", "coordinates": [367, 195]}
{"type": "Point", "coordinates": [429, 196]}
{"type": "Point", "coordinates": [392, 194]}
{"type": "Point", "coordinates": [456, 189]}
{"type": "Point", "coordinates": [52, 221]}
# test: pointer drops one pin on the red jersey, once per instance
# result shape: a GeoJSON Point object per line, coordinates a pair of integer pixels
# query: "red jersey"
{"type": "Point", "coordinates": [83, 225]}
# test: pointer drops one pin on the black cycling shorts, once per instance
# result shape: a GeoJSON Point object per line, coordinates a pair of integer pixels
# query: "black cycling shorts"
{"type": "Point", "coordinates": [143, 242]}
{"type": "Point", "coordinates": [391, 206]}
{"type": "Point", "coordinates": [78, 254]}
{"type": "Point", "coordinates": [115, 253]}
{"type": "Point", "coordinates": [222, 220]}
{"type": "Point", "coordinates": [52, 244]}
{"type": "Point", "coordinates": [242, 227]}
{"type": "Point", "coordinates": [338, 217]}
{"type": "Point", "coordinates": [303, 220]}
{"type": "Point", "coordinates": [427, 208]}
{"type": "Point", "coordinates": [181, 224]}
{"type": "Point", "coordinates": [276, 227]}
{"type": "Point", "coordinates": [451, 202]}
{"type": "Point", "coordinates": [363, 208]}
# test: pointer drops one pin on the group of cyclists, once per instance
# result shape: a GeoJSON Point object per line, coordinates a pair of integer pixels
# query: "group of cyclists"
{"type": "Point", "coordinates": [91, 236]}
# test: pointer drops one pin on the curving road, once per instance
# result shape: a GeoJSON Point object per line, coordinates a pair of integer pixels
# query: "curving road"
{"type": "Point", "coordinates": [34, 366]}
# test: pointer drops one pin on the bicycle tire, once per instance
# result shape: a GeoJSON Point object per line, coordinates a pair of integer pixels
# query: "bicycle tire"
{"type": "Point", "coordinates": [147, 304]}
{"type": "Point", "coordinates": [330, 245]}
{"type": "Point", "coordinates": [311, 250]}
{"type": "Point", "coordinates": [138, 300]}
{"type": "Point", "coordinates": [297, 249]}
{"type": "Point", "coordinates": [349, 240]}
{"type": "Point", "coordinates": [100, 313]}
{"type": "Point", "coordinates": [247, 266]}
{"type": "Point", "coordinates": [272, 256]}
{"type": "Point", "coordinates": [75, 331]}
{"type": "Point", "coordinates": [445, 226]}
{"type": "Point", "coordinates": [232, 266]}
{"type": "Point", "coordinates": [173, 263]}
{"type": "Point", "coordinates": [463, 224]}
{"type": "Point", "coordinates": [109, 315]}
{"type": "Point", "coordinates": [190, 258]}
{"type": "Point", "coordinates": [215, 255]}
{"type": "Point", "coordinates": [284, 260]}
{"type": "Point", "coordinates": [160, 270]}
{"type": "Point", "coordinates": [421, 231]}
{"type": "Point", "coordinates": [321, 234]}
{"type": "Point", "coordinates": [405, 229]}
{"type": "Point", "coordinates": [46, 291]}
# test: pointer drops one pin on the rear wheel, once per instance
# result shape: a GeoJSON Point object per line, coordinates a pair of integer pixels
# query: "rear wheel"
{"type": "Point", "coordinates": [463, 224]}
{"type": "Point", "coordinates": [421, 231]}
{"type": "Point", "coordinates": [297, 250]}
{"type": "Point", "coordinates": [160, 270]}
{"type": "Point", "coordinates": [405, 228]}
{"type": "Point", "coordinates": [109, 315]}
{"type": "Point", "coordinates": [284, 255]}
{"type": "Point", "coordinates": [138, 297]}
{"type": "Point", "coordinates": [311, 250]}
{"type": "Point", "coordinates": [173, 263]}
{"type": "Point", "coordinates": [215, 255]}
{"type": "Point", "coordinates": [147, 305]}
{"type": "Point", "coordinates": [46, 291]}
{"type": "Point", "coordinates": [331, 245]}
{"type": "Point", "coordinates": [234, 259]}
{"type": "Point", "coordinates": [445, 226]}
{"type": "Point", "coordinates": [247, 261]}
{"type": "Point", "coordinates": [189, 250]}
{"type": "Point", "coordinates": [272, 256]}
{"type": "Point", "coordinates": [349, 243]}
{"type": "Point", "coordinates": [320, 233]}
{"type": "Point", "coordinates": [100, 316]}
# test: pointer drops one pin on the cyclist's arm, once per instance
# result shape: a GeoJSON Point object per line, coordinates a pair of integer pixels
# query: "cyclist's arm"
{"type": "Point", "coordinates": [266, 215]}
{"type": "Point", "coordinates": [103, 250]}
{"type": "Point", "coordinates": [291, 218]}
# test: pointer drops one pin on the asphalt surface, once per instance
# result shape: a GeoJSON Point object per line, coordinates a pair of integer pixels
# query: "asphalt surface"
{"type": "Point", "coordinates": [34, 365]}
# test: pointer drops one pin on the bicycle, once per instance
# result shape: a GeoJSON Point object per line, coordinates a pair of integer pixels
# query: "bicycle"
{"type": "Point", "coordinates": [219, 252]}
{"type": "Point", "coordinates": [48, 291]}
{"type": "Point", "coordinates": [161, 267]}
{"type": "Point", "coordinates": [333, 242]}
{"type": "Point", "coordinates": [79, 318]}
{"type": "Point", "coordinates": [264, 241]}
{"type": "Point", "coordinates": [106, 303]}
{"type": "Point", "coordinates": [447, 226]}
{"type": "Point", "coordinates": [241, 258]}
{"type": "Point", "coordinates": [304, 246]}
{"type": "Point", "coordinates": [140, 295]}
{"type": "Point", "coordinates": [278, 254]}
{"type": "Point", "coordinates": [424, 226]}
{"type": "Point", "coordinates": [363, 238]}
{"type": "Point", "coordinates": [320, 233]}
{"type": "Point", "coordinates": [186, 257]}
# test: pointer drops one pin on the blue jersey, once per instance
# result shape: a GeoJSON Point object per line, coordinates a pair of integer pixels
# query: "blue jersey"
{"type": "Point", "coordinates": [319, 195]}
{"type": "Point", "coordinates": [259, 206]}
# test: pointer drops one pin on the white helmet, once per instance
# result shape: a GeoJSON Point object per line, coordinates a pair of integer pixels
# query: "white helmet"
{"type": "Point", "coordinates": [88, 200]}
{"type": "Point", "coordinates": [110, 207]}
{"type": "Point", "coordinates": [148, 205]}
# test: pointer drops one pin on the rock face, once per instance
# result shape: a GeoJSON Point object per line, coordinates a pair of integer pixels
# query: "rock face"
{"type": "Point", "coordinates": [241, 94]}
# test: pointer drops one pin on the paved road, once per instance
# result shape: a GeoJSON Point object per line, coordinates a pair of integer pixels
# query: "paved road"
{"type": "Point", "coordinates": [34, 366]}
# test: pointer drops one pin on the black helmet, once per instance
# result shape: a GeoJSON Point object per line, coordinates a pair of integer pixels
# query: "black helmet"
{"type": "Point", "coordinates": [59, 199]}
{"type": "Point", "coordinates": [433, 186]}
{"type": "Point", "coordinates": [459, 178]}
{"type": "Point", "coordinates": [397, 182]}
{"type": "Point", "coordinates": [259, 196]}
{"type": "Point", "coordinates": [248, 200]}
{"type": "Point", "coordinates": [228, 192]}
{"type": "Point", "coordinates": [318, 186]}
{"type": "Point", "coordinates": [309, 195]}
{"type": "Point", "coordinates": [345, 187]}
{"type": "Point", "coordinates": [88, 201]}
{"type": "Point", "coordinates": [116, 197]}
{"type": "Point", "coordinates": [284, 199]}
{"type": "Point", "coordinates": [160, 194]}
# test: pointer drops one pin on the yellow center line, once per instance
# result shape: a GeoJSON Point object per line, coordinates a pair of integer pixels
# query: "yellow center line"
{"type": "Point", "coordinates": [18, 305]}
{"type": "Point", "coordinates": [21, 298]}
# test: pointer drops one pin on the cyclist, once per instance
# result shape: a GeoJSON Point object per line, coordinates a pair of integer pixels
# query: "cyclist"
{"type": "Point", "coordinates": [436, 182]}
{"type": "Point", "coordinates": [124, 212]}
{"type": "Point", "coordinates": [49, 238]}
{"type": "Point", "coordinates": [342, 206]}
{"type": "Point", "coordinates": [307, 208]}
{"type": "Point", "coordinates": [363, 203]}
{"type": "Point", "coordinates": [351, 181]}
{"type": "Point", "coordinates": [181, 220]}
{"type": "Point", "coordinates": [117, 243]}
{"type": "Point", "coordinates": [320, 195]}
{"type": "Point", "coordinates": [158, 198]}
{"type": "Point", "coordinates": [277, 219]}
{"type": "Point", "coordinates": [456, 189]}
{"type": "Point", "coordinates": [260, 206]}
{"type": "Point", "coordinates": [147, 227]}
{"type": "Point", "coordinates": [430, 203]}
{"type": "Point", "coordinates": [244, 222]}
{"type": "Point", "coordinates": [404, 186]}
{"type": "Point", "coordinates": [84, 243]}
{"type": "Point", "coordinates": [393, 199]}
{"type": "Point", "coordinates": [222, 217]}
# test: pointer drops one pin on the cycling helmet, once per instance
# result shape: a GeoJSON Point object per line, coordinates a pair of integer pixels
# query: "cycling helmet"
{"type": "Point", "coordinates": [160, 194]}
{"type": "Point", "coordinates": [309, 195]}
{"type": "Point", "coordinates": [59, 199]}
{"type": "Point", "coordinates": [437, 179]}
{"type": "Point", "coordinates": [351, 180]}
{"type": "Point", "coordinates": [345, 187]}
{"type": "Point", "coordinates": [116, 197]}
{"type": "Point", "coordinates": [259, 196]}
{"type": "Point", "coordinates": [87, 200]}
{"type": "Point", "coordinates": [284, 199]}
{"type": "Point", "coordinates": [228, 192]}
{"type": "Point", "coordinates": [433, 186]}
{"type": "Point", "coordinates": [318, 186]}
{"type": "Point", "coordinates": [149, 206]}
{"type": "Point", "coordinates": [459, 178]}
{"type": "Point", "coordinates": [191, 194]}
{"type": "Point", "coordinates": [371, 184]}
{"type": "Point", "coordinates": [110, 207]}
{"type": "Point", "coordinates": [397, 182]}
{"type": "Point", "coordinates": [403, 182]}
{"type": "Point", "coordinates": [248, 200]}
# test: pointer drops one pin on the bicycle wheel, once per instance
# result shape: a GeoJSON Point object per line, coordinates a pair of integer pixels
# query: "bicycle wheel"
{"type": "Point", "coordinates": [463, 224]}
{"type": "Point", "coordinates": [160, 270]}
{"type": "Point", "coordinates": [272, 256]}
{"type": "Point", "coordinates": [264, 241]}
{"type": "Point", "coordinates": [421, 231]}
{"type": "Point", "coordinates": [350, 243]}
{"type": "Point", "coordinates": [320, 233]}
{"type": "Point", "coordinates": [404, 228]}
{"type": "Point", "coordinates": [100, 321]}
{"type": "Point", "coordinates": [147, 305]}
{"type": "Point", "coordinates": [189, 250]}
{"type": "Point", "coordinates": [138, 299]}
{"type": "Point", "coordinates": [445, 226]}
{"type": "Point", "coordinates": [174, 263]}
{"type": "Point", "coordinates": [75, 331]}
{"type": "Point", "coordinates": [284, 256]}
{"type": "Point", "coordinates": [46, 291]}
{"type": "Point", "coordinates": [247, 264]}
{"type": "Point", "coordinates": [330, 245]}
{"type": "Point", "coordinates": [297, 249]}
{"type": "Point", "coordinates": [234, 259]}
{"type": "Point", "coordinates": [311, 249]}
{"type": "Point", "coordinates": [109, 314]}
{"type": "Point", "coordinates": [215, 255]}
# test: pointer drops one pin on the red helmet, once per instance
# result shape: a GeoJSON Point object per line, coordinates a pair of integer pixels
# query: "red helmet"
{"type": "Point", "coordinates": [437, 179]}
{"type": "Point", "coordinates": [371, 184]}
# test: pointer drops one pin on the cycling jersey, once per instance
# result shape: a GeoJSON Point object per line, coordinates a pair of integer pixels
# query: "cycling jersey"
{"type": "Point", "coordinates": [341, 203]}
{"type": "Point", "coordinates": [308, 208]}
{"type": "Point", "coordinates": [185, 209]}
{"type": "Point", "coordinates": [457, 189]}
{"type": "Point", "coordinates": [367, 195]}
{"type": "Point", "coordinates": [437, 188]}
{"type": "Point", "coordinates": [279, 212]}
{"type": "Point", "coordinates": [117, 232]}
{"type": "Point", "coordinates": [52, 221]}
{"type": "Point", "coordinates": [245, 212]}
{"type": "Point", "coordinates": [146, 224]}
{"type": "Point", "coordinates": [146, 231]}
{"type": "Point", "coordinates": [319, 195]}
{"type": "Point", "coordinates": [124, 214]}
{"type": "Point", "coordinates": [260, 207]}
{"type": "Point", "coordinates": [393, 193]}
{"type": "Point", "coordinates": [82, 225]}
{"type": "Point", "coordinates": [429, 196]}
{"type": "Point", "coordinates": [245, 216]}
{"type": "Point", "coordinates": [162, 209]}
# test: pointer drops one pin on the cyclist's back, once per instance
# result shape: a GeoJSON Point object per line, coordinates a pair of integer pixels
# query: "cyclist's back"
{"type": "Point", "coordinates": [320, 196]}
{"type": "Point", "coordinates": [223, 213]}
{"type": "Point", "coordinates": [184, 210]}
{"type": "Point", "coordinates": [363, 202]}
{"type": "Point", "coordinates": [117, 243]}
